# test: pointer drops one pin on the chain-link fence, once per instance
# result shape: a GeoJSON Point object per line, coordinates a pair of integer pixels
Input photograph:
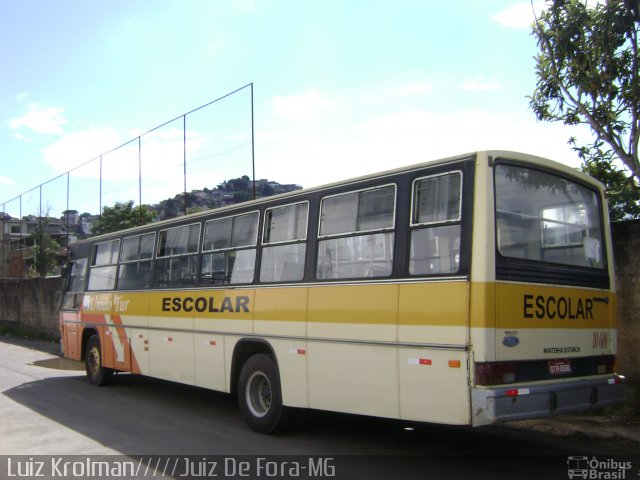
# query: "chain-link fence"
{"type": "Point", "coordinates": [194, 151]}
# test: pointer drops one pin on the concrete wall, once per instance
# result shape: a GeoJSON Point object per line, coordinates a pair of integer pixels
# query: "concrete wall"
{"type": "Point", "coordinates": [626, 251]}
{"type": "Point", "coordinates": [31, 305]}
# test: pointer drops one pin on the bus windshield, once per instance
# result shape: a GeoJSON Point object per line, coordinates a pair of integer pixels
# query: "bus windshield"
{"type": "Point", "coordinates": [548, 218]}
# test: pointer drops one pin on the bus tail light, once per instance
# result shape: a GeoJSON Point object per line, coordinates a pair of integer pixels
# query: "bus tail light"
{"type": "Point", "coordinates": [517, 392]}
{"type": "Point", "coordinates": [495, 373]}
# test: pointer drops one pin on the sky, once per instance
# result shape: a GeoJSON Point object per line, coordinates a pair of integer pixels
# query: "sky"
{"type": "Point", "coordinates": [340, 88]}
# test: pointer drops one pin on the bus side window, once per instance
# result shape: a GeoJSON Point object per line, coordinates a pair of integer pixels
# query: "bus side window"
{"type": "Point", "coordinates": [77, 275]}
{"type": "Point", "coordinates": [284, 243]}
{"type": "Point", "coordinates": [435, 224]}
{"type": "Point", "coordinates": [135, 261]}
{"type": "Point", "coordinates": [229, 249]}
{"type": "Point", "coordinates": [356, 234]}
{"type": "Point", "coordinates": [104, 264]}
{"type": "Point", "coordinates": [177, 259]}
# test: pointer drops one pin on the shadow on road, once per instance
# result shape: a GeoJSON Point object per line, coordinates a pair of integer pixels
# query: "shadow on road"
{"type": "Point", "coordinates": [138, 415]}
{"type": "Point", "coordinates": [143, 416]}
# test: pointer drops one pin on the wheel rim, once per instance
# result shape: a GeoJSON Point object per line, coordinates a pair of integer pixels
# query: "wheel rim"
{"type": "Point", "coordinates": [93, 360]}
{"type": "Point", "coordinates": [258, 394]}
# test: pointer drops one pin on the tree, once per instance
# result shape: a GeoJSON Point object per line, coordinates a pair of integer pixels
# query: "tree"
{"type": "Point", "coordinates": [266, 190]}
{"type": "Point", "coordinates": [588, 73]}
{"type": "Point", "coordinates": [240, 184]}
{"type": "Point", "coordinates": [623, 192]}
{"type": "Point", "coordinates": [122, 215]}
{"type": "Point", "coordinates": [45, 252]}
{"type": "Point", "coordinates": [239, 197]}
{"type": "Point", "coordinates": [44, 248]}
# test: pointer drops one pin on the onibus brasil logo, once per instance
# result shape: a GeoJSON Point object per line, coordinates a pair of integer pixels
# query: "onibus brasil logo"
{"type": "Point", "coordinates": [593, 468]}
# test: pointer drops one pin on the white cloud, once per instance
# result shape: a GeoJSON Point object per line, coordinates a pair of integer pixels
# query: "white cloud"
{"type": "Point", "coordinates": [162, 151]}
{"type": "Point", "coordinates": [7, 181]}
{"type": "Point", "coordinates": [40, 119]}
{"type": "Point", "coordinates": [423, 135]}
{"type": "Point", "coordinates": [162, 155]}
{"type": "Point", "coordinates": [21, 137]}
{"type": "Point", "coordinates": [76, 148]}
{"type": "Point", "coordinates": [406, 137]}
{"type": "Point", "coordinates": [301, 107]}
{"type": "Point", "coordinates": [520, 15]}
{"type": "Point", "coordinates": [414, 88]}
{"type": "Point", "coordinates": [480, 84]}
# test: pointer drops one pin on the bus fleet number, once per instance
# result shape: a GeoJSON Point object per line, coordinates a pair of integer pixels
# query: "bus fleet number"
{"type": "Point", "coordinates": [600, 340]}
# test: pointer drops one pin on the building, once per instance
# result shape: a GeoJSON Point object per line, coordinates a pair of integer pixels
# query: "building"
{"type": "Point", "coordinates": [18, 239]}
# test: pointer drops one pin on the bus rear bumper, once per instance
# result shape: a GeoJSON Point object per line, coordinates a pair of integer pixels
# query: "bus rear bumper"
{"type": "Point", "coordinates": [519, 402]}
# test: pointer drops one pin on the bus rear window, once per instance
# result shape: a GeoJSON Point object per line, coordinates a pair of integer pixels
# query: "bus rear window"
{"type": "Point", "coordinates": [544, 217]}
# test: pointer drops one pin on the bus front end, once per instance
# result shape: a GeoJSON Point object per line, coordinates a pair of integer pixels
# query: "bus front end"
{"type": "Point", "coordinates": [543, 305]}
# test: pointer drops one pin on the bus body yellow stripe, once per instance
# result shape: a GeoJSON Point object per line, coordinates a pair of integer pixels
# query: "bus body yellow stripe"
{"type": "Point", "coordinates": [449, 303]}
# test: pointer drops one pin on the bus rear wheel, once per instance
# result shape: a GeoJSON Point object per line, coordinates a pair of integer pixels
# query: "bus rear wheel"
{"type": "Point", "coordinates": [96, 373]}
{"type": "Point", "coordinates": [260, 396]}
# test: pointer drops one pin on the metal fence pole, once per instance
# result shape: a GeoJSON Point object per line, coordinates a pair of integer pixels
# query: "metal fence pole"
{"type": "Point", "coordinates": [21, 240]}
{"type": "Point", "coordinates": [67, 215]}
{"type": "Point", "coordinates": [184, 158]}
{"type": "Point", "coordinates": [140, 180]}
{"type": "Point", "coordinates": [4, 241]}
{"type": "Point", "coordinates": [100, 195]}
{"type": "Point", "coordinates": [253, 154]}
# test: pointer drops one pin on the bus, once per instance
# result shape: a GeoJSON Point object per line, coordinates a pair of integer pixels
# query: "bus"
{"type": "Point", "coordinates": [470, 290]}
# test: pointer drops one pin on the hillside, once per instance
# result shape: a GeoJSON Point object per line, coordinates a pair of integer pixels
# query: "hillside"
{"type": "Point", "coordinates": [226, 193]}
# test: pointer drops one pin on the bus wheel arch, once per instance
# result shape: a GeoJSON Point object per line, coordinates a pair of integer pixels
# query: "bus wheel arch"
{"type": "Point", "coordinates": [243, 350]}
{"type": "Point", "coordinates": [87, 333]}
{"type": "Point", "coordinates": [97, 374]}
{"type": "Point", "coordinates": [256, 381]}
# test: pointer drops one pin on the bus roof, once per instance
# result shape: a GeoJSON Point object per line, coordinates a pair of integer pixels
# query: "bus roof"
{"type": "Point", "coordinates": [550, 164]}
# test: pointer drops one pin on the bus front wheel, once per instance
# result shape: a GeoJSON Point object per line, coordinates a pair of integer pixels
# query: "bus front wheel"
{"type": "Point", "coordinates": [260, 396]}
{"type": "Point", "coordinates": [96, 373]}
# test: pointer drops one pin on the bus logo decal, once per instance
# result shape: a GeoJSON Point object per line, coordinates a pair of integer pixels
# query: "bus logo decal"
{"type": "Point", "coordinates": [540, 306]}
{"type": "Point", "coordinates": [205, 304]}
{"type": "Point", "coordinates": [510, 341]}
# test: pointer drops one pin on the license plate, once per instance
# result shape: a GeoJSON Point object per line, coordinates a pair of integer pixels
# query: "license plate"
{"type": "Point", "coordinates": [559, 367]}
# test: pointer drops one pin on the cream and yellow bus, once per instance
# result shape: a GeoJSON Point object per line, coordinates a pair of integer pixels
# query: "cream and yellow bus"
{"type": "Point", "coordinates": [470, 290]}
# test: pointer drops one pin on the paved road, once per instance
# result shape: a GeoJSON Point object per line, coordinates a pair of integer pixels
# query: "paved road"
{"type": "Point", "coordinates": [48, 408]}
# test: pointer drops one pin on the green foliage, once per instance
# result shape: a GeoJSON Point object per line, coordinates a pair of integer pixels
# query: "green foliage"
{"type": "Point", "coordinates": [235, 190]}
{"type": "Point", "coordinates": [623, 191]}
{"type": "Point", "coordinates": [240, 184]}
{"type": "Point", "coordinates": [266, 190]}
{"type": "Point", "coordinates": [122, 215]}
{"type": "Point", "coordinates": [45, 252]}
{"type": "Point", "coordinates": [239, 197]}
{"type": "Point", "coordinates": [588, 73]}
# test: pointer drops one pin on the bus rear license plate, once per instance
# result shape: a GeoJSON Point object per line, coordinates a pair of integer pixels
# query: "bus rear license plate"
{"type": "Point", "coordinates": [559, 367]}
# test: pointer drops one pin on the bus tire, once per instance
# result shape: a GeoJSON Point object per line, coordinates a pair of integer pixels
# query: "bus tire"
{"type": "Point", "coordinates": [96, 373]}
{"type": "Point", "coordinates": [260, 396]}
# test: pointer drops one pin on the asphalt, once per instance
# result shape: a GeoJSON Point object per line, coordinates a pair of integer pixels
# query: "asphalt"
{"type": "Point", "coordinates": [609, 424]}
{"type": "Point", "coordinates": [596, 425]}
